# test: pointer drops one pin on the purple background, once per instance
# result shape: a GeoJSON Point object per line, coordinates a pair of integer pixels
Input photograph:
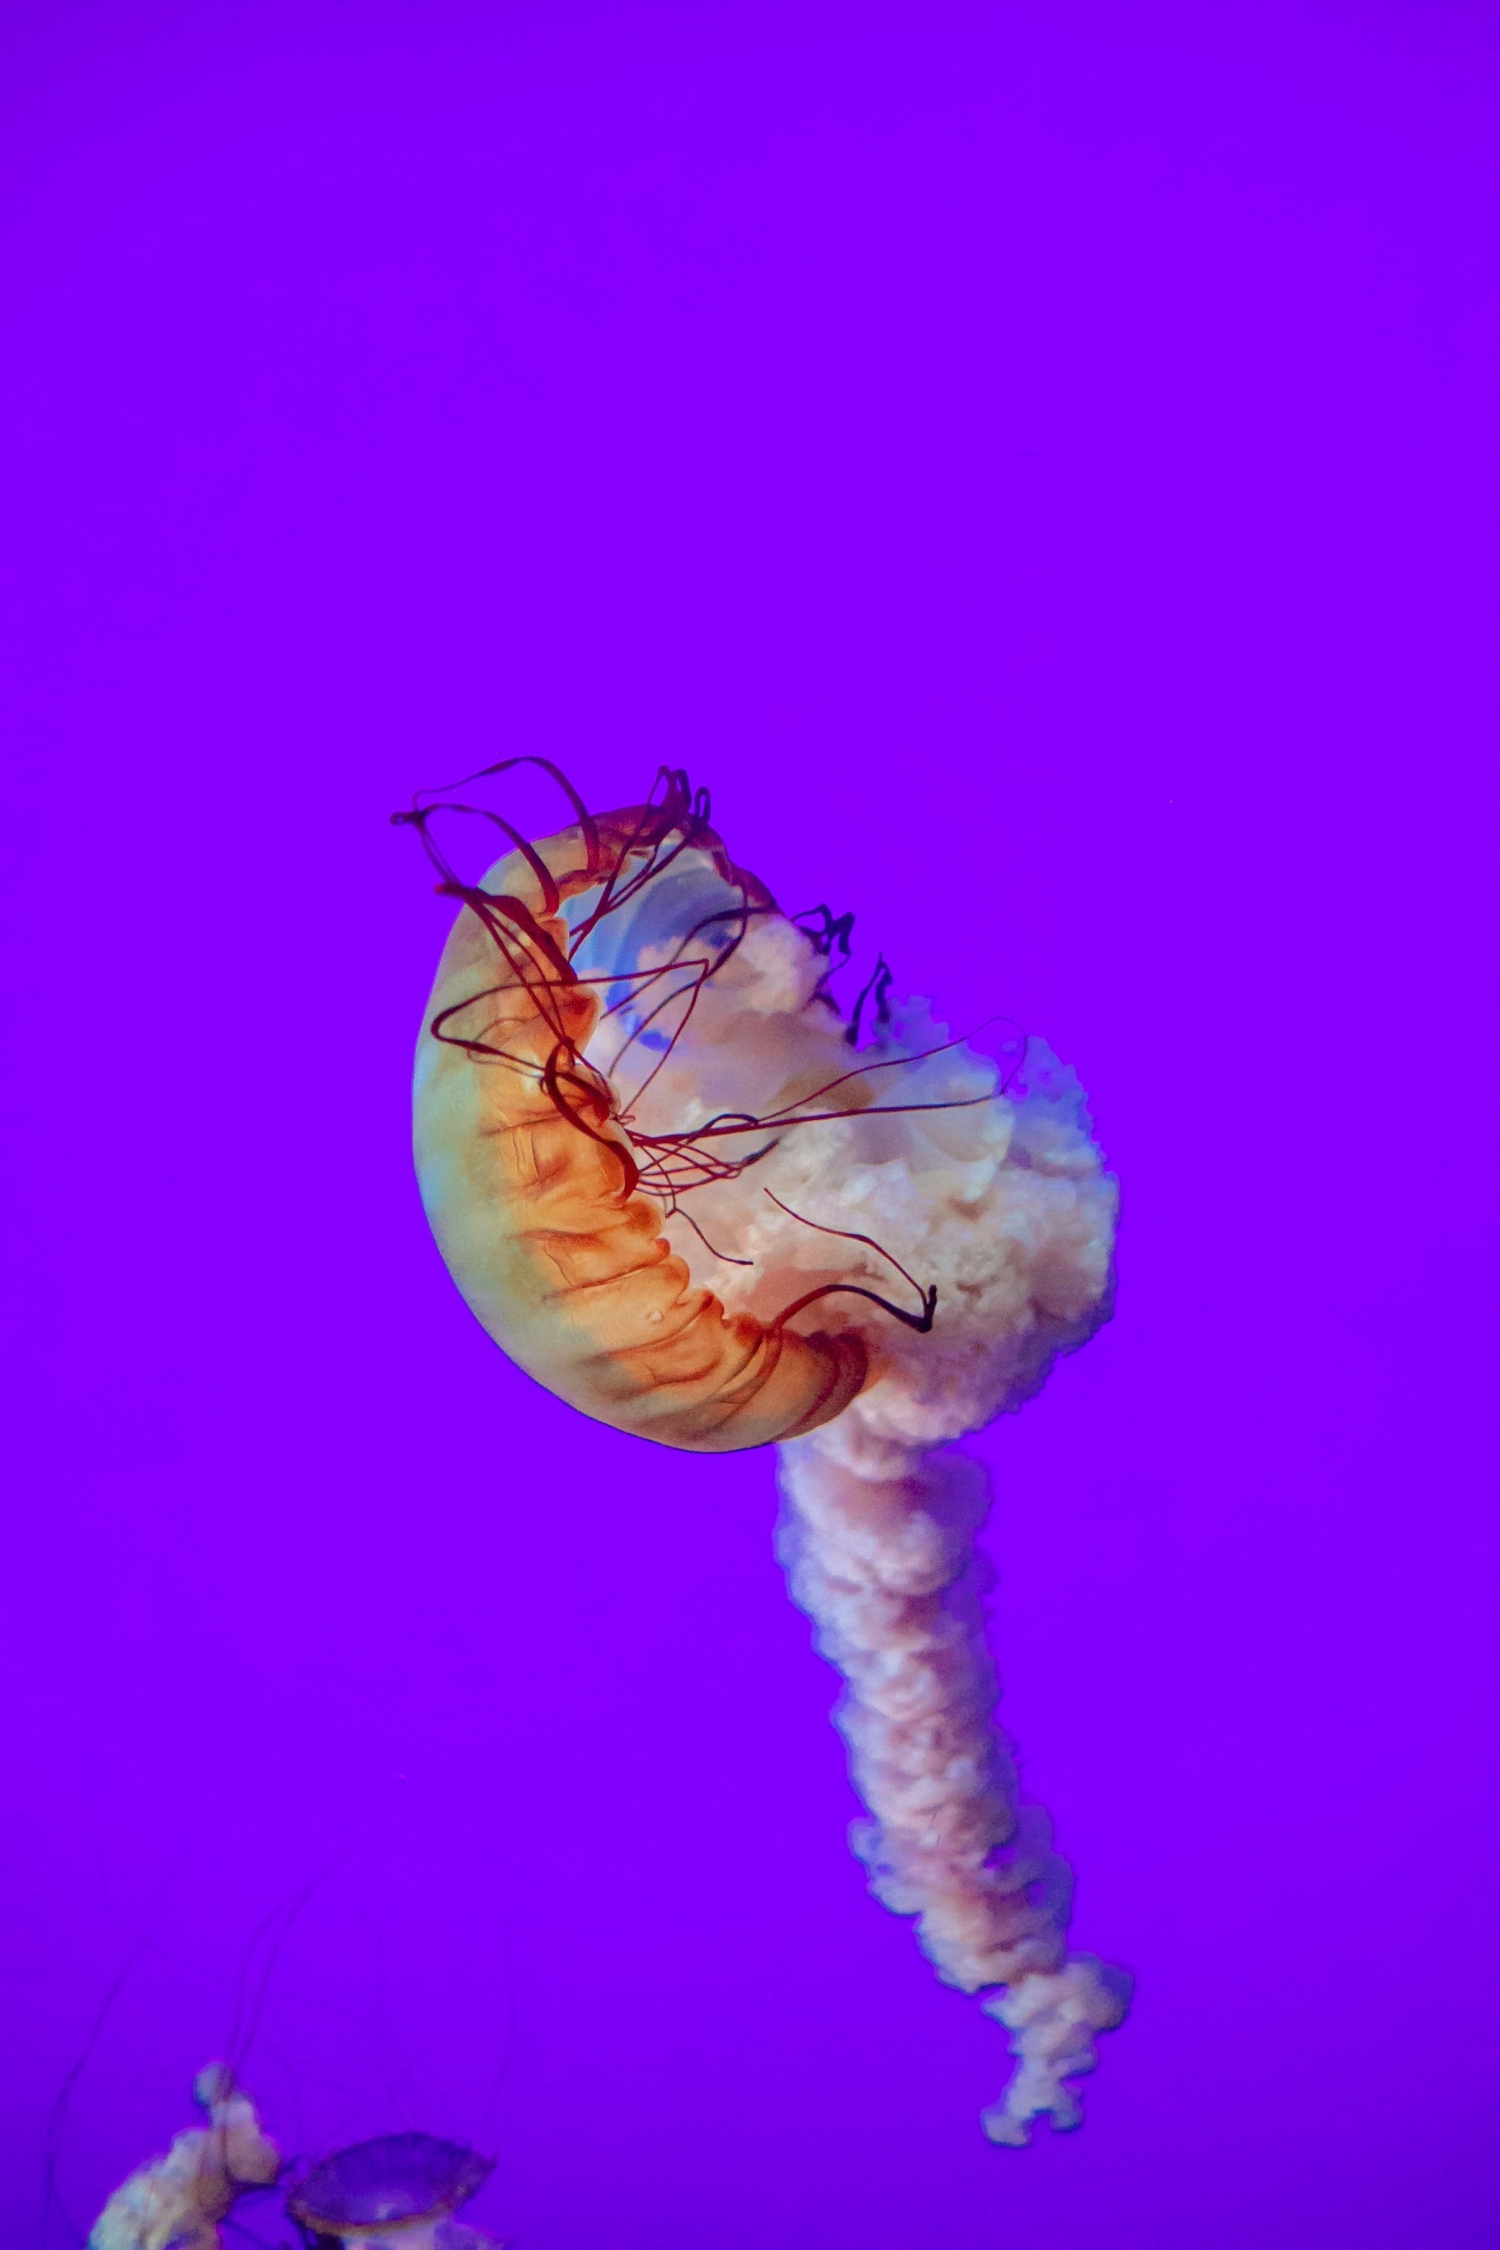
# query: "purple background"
{"type": "Point", "coordinates": [1038, 466]}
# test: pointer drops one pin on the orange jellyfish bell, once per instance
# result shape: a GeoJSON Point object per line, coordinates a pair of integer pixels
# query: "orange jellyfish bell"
{"type": "Point", "coordinates": [531, 1182]}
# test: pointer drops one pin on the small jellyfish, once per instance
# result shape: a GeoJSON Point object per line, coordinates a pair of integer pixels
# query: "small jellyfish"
{"type": "Point", "coordinates": [696, 1197]}
{"type": "Point", "coordinates": [177, 2201]}
{"type": "Point", "coordinates": [395, 2193]}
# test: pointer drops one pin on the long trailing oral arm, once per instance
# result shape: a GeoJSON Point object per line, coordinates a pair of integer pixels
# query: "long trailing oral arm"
{"type": "Point", "coordinates": [882, 1558]}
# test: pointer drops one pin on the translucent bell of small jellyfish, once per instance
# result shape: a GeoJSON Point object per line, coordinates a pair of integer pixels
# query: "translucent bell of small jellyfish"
{"type": "Point", "coordinates": [398, 2192]}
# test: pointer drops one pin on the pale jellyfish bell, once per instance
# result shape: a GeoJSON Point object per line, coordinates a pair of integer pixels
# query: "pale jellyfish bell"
{"type": "Point", "coordinates": [689, 1195]}
{"type": "Point", "coordinates": [395, 2193]}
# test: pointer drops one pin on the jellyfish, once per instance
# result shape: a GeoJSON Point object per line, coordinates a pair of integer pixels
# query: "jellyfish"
{"type": "Point", "coordinates": [177, 2201]}
{"type": "Point", "coordinates": [398, 2192]}
{"type": "Point", "coordinates": [706, 1203]}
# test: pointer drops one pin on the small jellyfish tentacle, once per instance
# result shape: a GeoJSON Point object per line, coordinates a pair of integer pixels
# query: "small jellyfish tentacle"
{"type": "Point", "coordinates": [874, 993]}
{"type": "Point", "coordinates": [921, 1322]}
{"type": "Point", "coordinates": [882, 1558]}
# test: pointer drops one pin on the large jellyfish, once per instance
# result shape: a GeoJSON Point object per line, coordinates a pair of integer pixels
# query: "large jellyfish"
{"type": "Point", "coordinates": [693, 1196]}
